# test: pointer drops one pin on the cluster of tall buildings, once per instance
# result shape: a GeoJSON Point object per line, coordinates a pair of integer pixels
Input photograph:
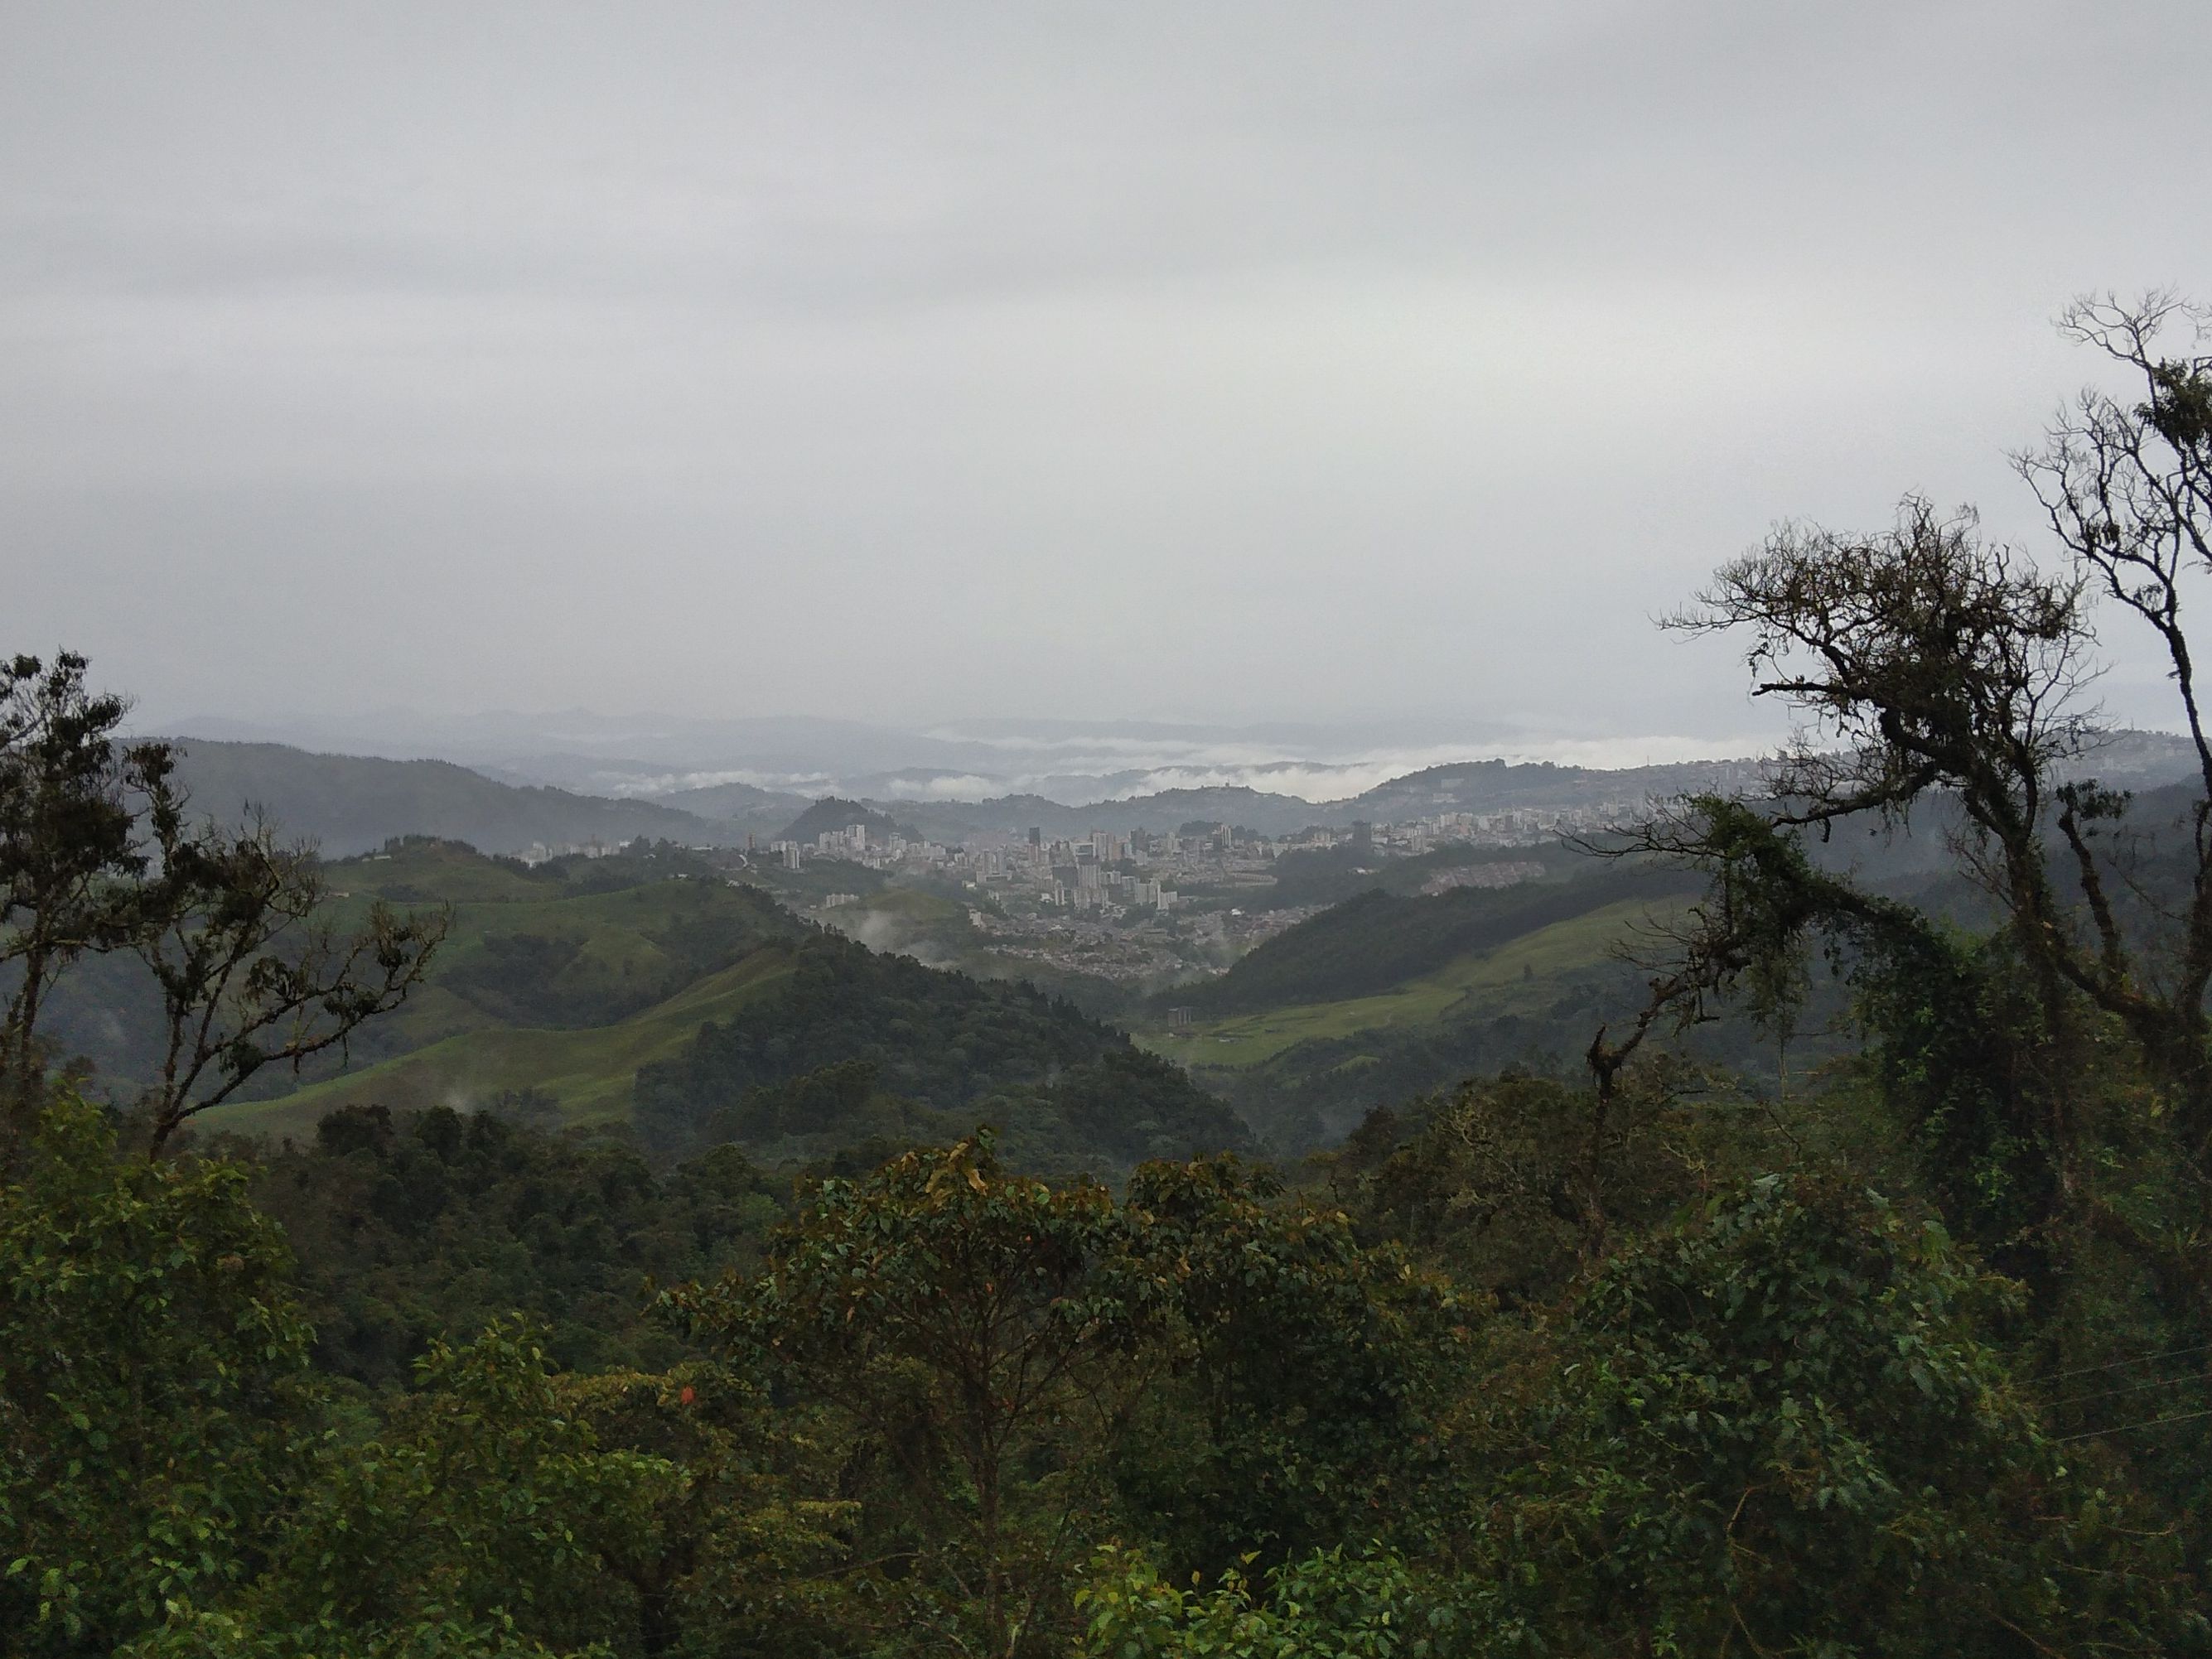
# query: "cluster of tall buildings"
{"type": "Point", "coordinates": [1516, 826]}
{"type": "Point", "coordinates": [1108, 872]}
{"type": "Point", "coordinates": [857, 844]}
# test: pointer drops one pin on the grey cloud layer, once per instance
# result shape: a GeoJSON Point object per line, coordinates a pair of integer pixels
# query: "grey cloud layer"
{"type": "Point", "coordinates": [938, 361]}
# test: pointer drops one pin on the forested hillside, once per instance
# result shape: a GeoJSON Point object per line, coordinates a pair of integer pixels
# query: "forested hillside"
{"type": "Point", "coordinates": [409, 1227]}
{"type": "Point", "coordinates": [1066, 1092]}
{"type": "Point", "coordinates": [742, 802]}
{"type": "Point", "coordinates": [830, 813]}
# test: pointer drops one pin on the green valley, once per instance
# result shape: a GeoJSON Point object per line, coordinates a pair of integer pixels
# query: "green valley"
{"type": "Point", "coordinates": [591, 988]}
{"type": "Point", "coordinates": [587, 983]}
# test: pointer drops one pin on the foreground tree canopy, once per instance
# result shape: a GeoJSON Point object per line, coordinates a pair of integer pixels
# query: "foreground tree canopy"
{"type": "Point", "coordinates": [1913, 1357]}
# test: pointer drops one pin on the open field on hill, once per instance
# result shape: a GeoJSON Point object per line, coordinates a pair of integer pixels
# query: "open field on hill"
{"type": "Point", "coordinates": [648, 990]}
{"type": "Point", "coordinates": [1517, 977]}
{"type": "Point", "coordinates": [565, 984]}
{"type": "Point", "coordinates": [588, 1071]}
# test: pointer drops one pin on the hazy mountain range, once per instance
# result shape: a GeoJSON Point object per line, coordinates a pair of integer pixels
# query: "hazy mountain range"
{"type": "Point", "coordinates": [1070, 761]}
{"type": "Point", "coordinates": [352, 803]}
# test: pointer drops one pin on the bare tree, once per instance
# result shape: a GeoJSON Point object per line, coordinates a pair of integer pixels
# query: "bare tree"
{"type": "Point", "coordinates": [2127, 485]}
{"type": "Point", "coordinates": [100, 853]}
{"type": "Point", "coordinates": [69, 852]}
{"type": "Point", "coordinates": [1927, 659]}
{"type": "Point", "coordinates": [253, 971]}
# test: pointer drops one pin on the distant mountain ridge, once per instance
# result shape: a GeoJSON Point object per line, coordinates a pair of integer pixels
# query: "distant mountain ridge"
{"type": "Point", "coordinates": [352, 802]}
{"type": "Point", "coordinates": [830, 814]}
{"type": "Point", "coordinates": [1493, 786]}
{"type": "Point", "coordinates": [734, 801]}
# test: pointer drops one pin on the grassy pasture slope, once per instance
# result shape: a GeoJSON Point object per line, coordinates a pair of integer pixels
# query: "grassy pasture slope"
{"type": "Point", "coordinates": [1377, 941]}
{"type": "Point", "coordinates": [1518, 976]}
{"type": "Point", "coordinates": [564, 987]}
{"type": "Point", "coordinates": [1387, 996]}
{"type": "Point", "coordinates": [587, 1071]}
{"type": "Point", "coordinates": [618, 949]}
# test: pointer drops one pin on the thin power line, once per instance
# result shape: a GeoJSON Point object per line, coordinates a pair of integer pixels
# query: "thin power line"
{"type": "Point", "coordinates": [2123, 1428]}
{"type": "Point", "coordinates": [2132, 1387]}
{"type": "Point", "coordinates": [2117, 1364]}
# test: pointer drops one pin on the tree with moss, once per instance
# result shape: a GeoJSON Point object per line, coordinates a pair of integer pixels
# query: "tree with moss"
{"type": "Point", "coordinates": [1938, 675]}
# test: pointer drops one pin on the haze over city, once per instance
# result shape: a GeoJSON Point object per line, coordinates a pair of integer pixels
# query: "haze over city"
{"type": "Point", "coordinates": [924, 366]}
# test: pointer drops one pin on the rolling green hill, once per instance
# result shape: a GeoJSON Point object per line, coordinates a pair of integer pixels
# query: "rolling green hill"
{"type": "Point", "coordinates": [1521, 977]}
{"type": "Point", "coordinates": [630, 989]}
{"type": "Point", "coordinates": [1387, 996]}
{"type": "Point", "coordinates": [587, 1072]}
{"type": "Point", "coordinates": [574, 944]}
{"type": "Point", "coordinates": [1377, 941]}
{"type": "Point", "coordinates": [831, 813]}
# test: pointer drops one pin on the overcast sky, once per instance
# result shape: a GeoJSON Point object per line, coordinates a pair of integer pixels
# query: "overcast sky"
{"type": "Point", "coordinates": [920, 362]}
